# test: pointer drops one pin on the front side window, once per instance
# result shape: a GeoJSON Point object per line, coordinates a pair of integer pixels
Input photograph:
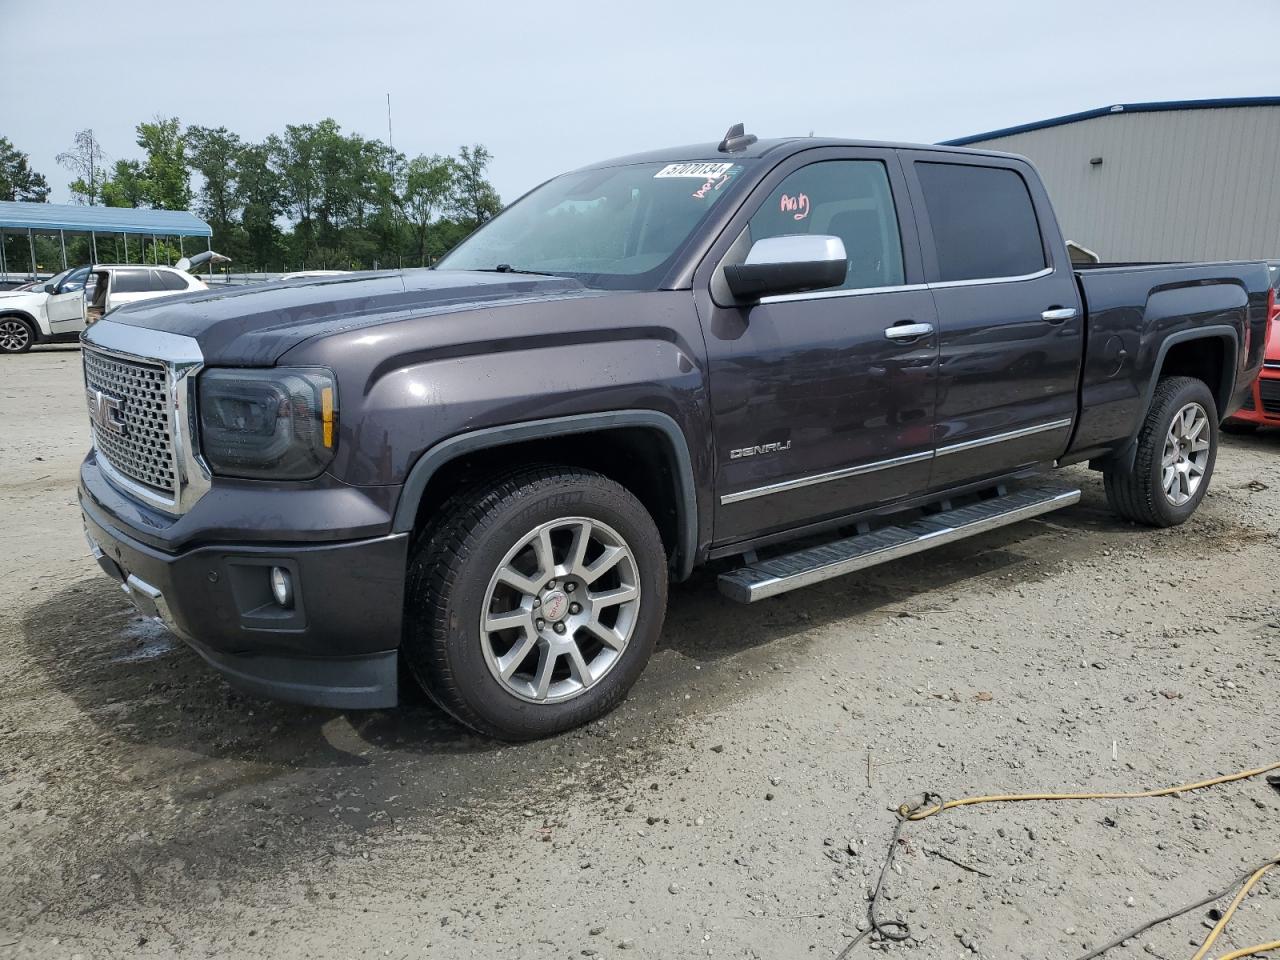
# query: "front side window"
{"type": "Point", "coordinates": [73, 281]}
{"type": "Point", "coordinates": [984, 223]}
{"type": "Point", "coordinates": [849, 199]}
{"type": "Point", "coordinates": [613, 227]}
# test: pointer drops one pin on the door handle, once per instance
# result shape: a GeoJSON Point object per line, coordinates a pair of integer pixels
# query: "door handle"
{"type": "Point", "coordinates": [908, 331]}
{"type": "Point", "coordinates": [1059, 314]}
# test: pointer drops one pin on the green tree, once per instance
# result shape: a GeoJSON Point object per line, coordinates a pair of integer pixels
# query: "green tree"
{"type": "Point", "coordinates": [429, 189]}
{"type": "Point", "coordinates": [126, 187]}
{"type": "Point", "coordinates": [214, 154]}
{"type": "Point", "coordinates": [476, 200]}
{"type": "Point", "coordinates": [17, 180]}
{"type": "Point", "coordinates": [88, 162]}
{"type": "Point", "coordinates": [260, 196]}
{"type": "Point", "coordinates": [165, 173]}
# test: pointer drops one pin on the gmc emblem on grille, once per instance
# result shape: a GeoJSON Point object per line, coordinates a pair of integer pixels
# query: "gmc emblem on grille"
{"type": "Point", "coordinates": [106, 411]}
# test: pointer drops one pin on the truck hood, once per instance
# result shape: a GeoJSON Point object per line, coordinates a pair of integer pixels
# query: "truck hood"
{"type": "Point", "coordinates": [254, 326]}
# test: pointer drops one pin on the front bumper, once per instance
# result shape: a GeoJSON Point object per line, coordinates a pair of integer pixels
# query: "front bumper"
{"type": "Point", "coordinates": [336, 647]}
{"type": "Point", "coordinates": [1263, 405]}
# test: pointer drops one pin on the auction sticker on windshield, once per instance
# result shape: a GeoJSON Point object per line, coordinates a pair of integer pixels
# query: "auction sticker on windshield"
{"type": "Point", "coordinates": [702, 170]}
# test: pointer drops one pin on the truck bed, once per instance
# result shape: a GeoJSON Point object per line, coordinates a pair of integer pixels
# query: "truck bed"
{"type": "Point", "coordinates": [1138, 313]}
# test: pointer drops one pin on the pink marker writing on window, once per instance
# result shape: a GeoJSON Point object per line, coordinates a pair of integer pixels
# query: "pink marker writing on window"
{"type": "Point", "coordinates": [797, 206]}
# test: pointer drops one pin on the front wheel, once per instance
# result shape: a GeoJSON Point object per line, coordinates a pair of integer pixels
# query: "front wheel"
{"type": "Point", "coordinates": [15, 335]}
{"type": "Point", "coordinates": [1177, 447]}
{"type": "Point", "coordinates": [535, 602]}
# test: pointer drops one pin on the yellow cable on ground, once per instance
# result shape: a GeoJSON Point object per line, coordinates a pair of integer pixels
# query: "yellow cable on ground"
{"type": "Point", "coordinates": [1227, 914]}
{"type": "Point", "coordinates": [1253, 951]}
{"type": "Point", "coordinates": [907, 812]}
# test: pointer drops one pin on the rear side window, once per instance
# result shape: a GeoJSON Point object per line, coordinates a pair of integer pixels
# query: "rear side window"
{"type": "Point", "coordinates": [849, 199]}
{"type": "Point", "coordinates": [172, 281]}
{"type": "Point", "coordinates": [984, 224]}
{"type": "Point", "coordinates": [132, 281]}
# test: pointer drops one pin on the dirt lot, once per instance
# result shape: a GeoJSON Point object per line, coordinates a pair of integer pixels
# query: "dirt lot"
{"type": "Point", "coordinates": [728, 809]}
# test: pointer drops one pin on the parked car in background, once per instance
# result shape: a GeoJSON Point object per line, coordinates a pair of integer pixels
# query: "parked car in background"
{"type": "Point", "coordinates": [113, 286]}
{"type": "Point", "coordinates": [49, 312]}
{"type": "Point", "coordinates": [809, 355]}
{"type": "Point", "coordinates": [1262, 406]}
{"type": "Point", "coordinates": [57, 310]}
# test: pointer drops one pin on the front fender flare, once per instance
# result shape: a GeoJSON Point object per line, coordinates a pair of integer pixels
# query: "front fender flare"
{"type": "Point", "coordinates": [446, 450]}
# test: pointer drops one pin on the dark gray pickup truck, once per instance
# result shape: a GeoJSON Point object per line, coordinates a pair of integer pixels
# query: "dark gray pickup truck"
{"type": "Point", "coordinates": [795, 357]}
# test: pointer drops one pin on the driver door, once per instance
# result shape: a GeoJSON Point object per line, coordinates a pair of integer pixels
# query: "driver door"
{"type": "Point", "coordinates": [65, 306]}
{"type": "Point", "coordinates": [820, 408]}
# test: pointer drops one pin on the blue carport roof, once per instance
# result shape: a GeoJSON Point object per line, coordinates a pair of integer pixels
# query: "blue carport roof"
{"type": "Point", "coordinates": [45, 217]}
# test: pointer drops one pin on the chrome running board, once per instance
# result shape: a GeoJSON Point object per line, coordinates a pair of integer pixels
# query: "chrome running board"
{"type": "Point", "coordinates": [803, 568]}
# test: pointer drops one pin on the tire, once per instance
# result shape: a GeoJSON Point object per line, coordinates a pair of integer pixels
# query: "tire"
{"type": "Point", "coordinates": [1139, 493]}
{"type": "Point", "coordinates": [459, 602]}
{"type": "Point", "coordinates": [16, 335]}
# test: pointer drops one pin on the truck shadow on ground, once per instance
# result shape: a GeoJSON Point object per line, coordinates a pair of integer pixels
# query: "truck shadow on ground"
{"type": "Point", "coordinates": [159, 744]}
{"type": "Point", "coordinates": [138, 684]}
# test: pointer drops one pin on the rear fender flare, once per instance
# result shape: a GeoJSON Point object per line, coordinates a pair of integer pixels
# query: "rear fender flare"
{"type": "Point", "coordinates": [1124, 458]}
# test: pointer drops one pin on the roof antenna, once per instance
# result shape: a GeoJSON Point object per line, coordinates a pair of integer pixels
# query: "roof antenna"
{"type": "Point", "coordinates": [735, 139]}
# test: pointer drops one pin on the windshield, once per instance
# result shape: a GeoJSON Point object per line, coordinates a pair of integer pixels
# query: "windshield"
{"type": "Point", "coordinates": [617, 227]}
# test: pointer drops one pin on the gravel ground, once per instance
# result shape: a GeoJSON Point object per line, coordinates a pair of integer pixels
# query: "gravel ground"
{"type": "Point", "coordinates": [738, 803]}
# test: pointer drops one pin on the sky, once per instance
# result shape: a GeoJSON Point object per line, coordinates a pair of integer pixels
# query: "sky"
{"type": "Point", "coordinates": [549, 85]}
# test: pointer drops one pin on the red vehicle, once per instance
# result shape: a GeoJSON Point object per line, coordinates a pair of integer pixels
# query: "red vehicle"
{"type": "Point", "coordinates": [1262, 409]}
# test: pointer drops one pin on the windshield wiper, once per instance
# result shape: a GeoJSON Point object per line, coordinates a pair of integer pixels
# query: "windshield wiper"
{"type": "Point", "coordinates": [508, 268]}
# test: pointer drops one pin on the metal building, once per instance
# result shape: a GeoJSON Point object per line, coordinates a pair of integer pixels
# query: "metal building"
{"type": "Point", "coordinates": [1184, 180]}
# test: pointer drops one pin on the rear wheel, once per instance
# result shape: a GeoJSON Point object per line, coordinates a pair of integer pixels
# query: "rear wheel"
{"type": "Point", "coordinates": [16, 335]}
{"type": "Point", "coordinates": [1177, 447]}
{"type": "Point", "coordinates": [535, 602]}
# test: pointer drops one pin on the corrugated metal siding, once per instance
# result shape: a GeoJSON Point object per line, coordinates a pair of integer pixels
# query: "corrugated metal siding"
{"type": "Point", "coordinates": [1174, 185]}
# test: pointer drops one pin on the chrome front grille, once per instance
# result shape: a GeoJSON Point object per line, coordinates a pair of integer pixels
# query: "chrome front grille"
{"type": "Point", "coordinates": [133, 431]}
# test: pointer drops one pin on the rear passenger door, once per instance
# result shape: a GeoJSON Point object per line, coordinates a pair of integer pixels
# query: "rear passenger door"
{"type": "Point", "coordinates": [1010, 323]}
{"type": "Point", "coordinates": [131, 284]}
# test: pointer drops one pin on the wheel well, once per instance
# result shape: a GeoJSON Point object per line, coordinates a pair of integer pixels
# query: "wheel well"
{"type": "Point", "coordinates": [25, 317]}
{"type": "Point", "coordinates": [638, 458]}
{"type": "Point", "coordinates": [1205, 359]}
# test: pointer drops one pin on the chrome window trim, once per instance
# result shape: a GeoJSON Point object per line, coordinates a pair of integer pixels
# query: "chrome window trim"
{"type": "Point", "coordinates": [901, 288]}
{"type": "Point", "coordinates": [183, 358]}
{"type": "Point", "coordinates": [1002, 437]}
{"type": "Point", "coordinates": [827, 477]}
{"type": "Point", "coordinates": [831, 294]}
{"type": "Point", "coordinates": [979, 281]}
{"type": "Point", "coordinates": [1271, 364]}
{"type": "Point", "coordinates": [845, 472]}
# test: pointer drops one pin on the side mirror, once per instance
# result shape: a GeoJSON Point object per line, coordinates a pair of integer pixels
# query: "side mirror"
{"type": "Point", "coordinates": [792, 264]}
{"type": "Point", "coordinates": [49, 288]}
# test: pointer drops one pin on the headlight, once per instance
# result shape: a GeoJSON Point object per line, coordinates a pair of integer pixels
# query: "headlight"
{"type": "Point", "coordinates": [278, 424]}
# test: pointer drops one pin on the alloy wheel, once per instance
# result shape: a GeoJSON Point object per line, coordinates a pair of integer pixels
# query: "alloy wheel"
{"type": "Point", "coordinates": [1186, 454]}
{"type": "Point", "coordinates": [560, 609]}
{"type": "Point", "coordinates": [15, 336]}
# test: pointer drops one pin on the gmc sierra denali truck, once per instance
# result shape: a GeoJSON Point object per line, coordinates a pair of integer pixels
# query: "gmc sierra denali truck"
{"type": "Point", "coordinates": [797, 357]}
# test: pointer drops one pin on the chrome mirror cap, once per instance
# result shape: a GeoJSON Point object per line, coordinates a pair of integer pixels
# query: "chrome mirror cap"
{"type": "Point", "coordinates": [788, 264]}
{"type": "Point", "coordinates": [797, 248]}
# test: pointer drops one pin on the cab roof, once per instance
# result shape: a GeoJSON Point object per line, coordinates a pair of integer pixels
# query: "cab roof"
{"type": "Point", "coordinates": [777, 149]}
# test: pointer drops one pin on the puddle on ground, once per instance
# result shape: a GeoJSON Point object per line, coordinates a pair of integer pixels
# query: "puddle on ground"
{"type": "Point", "coordinates": [150, 638]}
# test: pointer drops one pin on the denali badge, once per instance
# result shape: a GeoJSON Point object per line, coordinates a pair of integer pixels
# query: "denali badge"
{"type": "Point", "coordinates": [755, 451]}
{"type": "Point", "coordinates": [106, 411]}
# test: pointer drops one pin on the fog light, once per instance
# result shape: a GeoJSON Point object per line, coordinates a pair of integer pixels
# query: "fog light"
{"type": "Point", "coordinates": [282, 587]}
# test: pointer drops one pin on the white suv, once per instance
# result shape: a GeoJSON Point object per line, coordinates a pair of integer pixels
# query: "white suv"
{"type": "Point", "coordinates": [56, 312]}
